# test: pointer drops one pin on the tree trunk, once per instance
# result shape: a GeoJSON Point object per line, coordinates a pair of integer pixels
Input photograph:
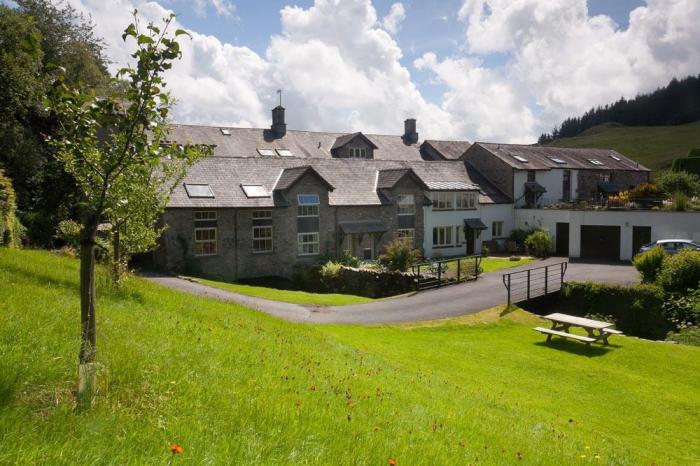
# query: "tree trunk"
{"type": "Point", "coordinates": [117, 259]}
{"type": "Point", "coordinates": [87, 373]}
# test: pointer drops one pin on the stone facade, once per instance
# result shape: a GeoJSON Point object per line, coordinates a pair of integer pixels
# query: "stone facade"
{"type": "Point", "coordinates": [588, 180]}
{"type": "Point", "coordinates": [235, 259]}
{"type": "Point", "coordinates": [499, 173]}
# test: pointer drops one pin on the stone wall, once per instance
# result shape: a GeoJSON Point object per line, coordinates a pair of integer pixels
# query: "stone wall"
{"type": "Point", "coordinates": [495, 170]}
{"type": "Point", "coordinates": [588, 180]}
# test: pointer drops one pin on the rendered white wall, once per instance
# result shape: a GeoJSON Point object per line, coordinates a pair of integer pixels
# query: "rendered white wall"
{"type": "Point", "coordinates": [664, 225]}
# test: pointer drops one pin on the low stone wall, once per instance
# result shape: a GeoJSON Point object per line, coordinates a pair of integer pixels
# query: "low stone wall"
{"type": "Point", "coordinates": [359, 282]}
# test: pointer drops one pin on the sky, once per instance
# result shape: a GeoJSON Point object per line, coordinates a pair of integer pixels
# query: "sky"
{"type": "Point", "coordinates": [481, 70]}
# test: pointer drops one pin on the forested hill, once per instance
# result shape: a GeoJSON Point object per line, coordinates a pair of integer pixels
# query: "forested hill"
{"type": "Point", "coordinates": [676, 104]}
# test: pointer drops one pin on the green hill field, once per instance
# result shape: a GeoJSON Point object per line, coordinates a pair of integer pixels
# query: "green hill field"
{"type": "Point", "coordinates": [655, 147]}
{"type": "Point", "coordinates": [235, 386]}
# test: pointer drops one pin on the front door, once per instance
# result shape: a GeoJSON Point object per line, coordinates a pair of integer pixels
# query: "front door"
{"type": "Point", "coordinates": [640, 237]}
{"type": "Point", "coordinates": [562, 239]}
{"type": "Point", "coordinates": [469, 239]}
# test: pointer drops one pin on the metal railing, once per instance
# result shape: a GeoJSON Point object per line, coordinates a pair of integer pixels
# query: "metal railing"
{"type": "Point", "coordinates": [524, 285]}
{"type": "Point", "coordinates": [441, 272]}
{"type": "Point", "coordinates": [613, 203]}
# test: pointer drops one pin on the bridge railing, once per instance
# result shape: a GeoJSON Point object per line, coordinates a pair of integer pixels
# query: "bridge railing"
{"type": "Point", "coordinates": [524, 285]}
{"type": "Point", "coordinates": [441, 272]}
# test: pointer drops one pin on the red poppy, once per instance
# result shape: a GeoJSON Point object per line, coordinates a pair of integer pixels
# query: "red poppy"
{"type": "Point", "coordinates": [176, 449]}
{"type": "Point", "coordinates": [392, 462]}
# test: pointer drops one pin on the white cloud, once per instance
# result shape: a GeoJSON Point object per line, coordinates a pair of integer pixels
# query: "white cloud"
{"type": "Point", "coordinates": [392, 21]}
{"type": "Point", "coordinates": [562, 61]}
{"type": "Point", "coordinates": [221, 7]}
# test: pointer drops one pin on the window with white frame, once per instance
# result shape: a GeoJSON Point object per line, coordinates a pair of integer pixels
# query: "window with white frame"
{"type": "Point", "coordinates": [459, 234]}
{"type": "Point", "coordinates": [406, 204]}
{"type": "Point", "coordinates": [443, 201]}
{"type": "Point", "coordinates": [307, 244]}
{"type": "Point", "coordinates": [497, 229]}
{"type": "Point", "coordinates": [307, 205]}
{"type": "Point", "coordinates": [442, 236]}
{"type": "Point", "coordinates": [465, 200]}
{"type": "Point", "coordinates": [604, 177]}
{"type": "Point", "coordinates": [406, 234]}
{"type": "Point", "coordinates": [262, 231]}
{"type": "Point", "coordinates": [205, 233]}
{"type": "Point", "coordinates": [358, 153]}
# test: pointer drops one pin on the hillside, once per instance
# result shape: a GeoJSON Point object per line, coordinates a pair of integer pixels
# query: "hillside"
{"type": "Point", "coordinates": [234, 386]}
{"type": "Point", "coordinates": [653, 146]}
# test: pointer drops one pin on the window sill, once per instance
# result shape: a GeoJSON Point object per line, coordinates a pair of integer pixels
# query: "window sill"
{"type": "Point", "coordinates": [308, 255]}
{"type": "Point", "coordinates": [468, 208]}
{"type": "Point", "coordinates": [446, 246]}
{"type": "Point", "coordinates": [205, 255]}
{"type": "Point", "coordinates": [262, 252]}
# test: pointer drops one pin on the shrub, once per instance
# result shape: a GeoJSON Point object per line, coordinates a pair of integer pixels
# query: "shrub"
{"type": "Point", "coordinates": [636, 310]}
{"type": "Point", "coordinates": [68, 231]}
{"type": "Point", "coordinates": [398, 255]}
{"type": "Point", "coordinates": [518, 235]}
{"type": "Point", "coordinates": [330, 273]}
{"type": "Point", "coordinates": [645, 191]}
{"type": "Point", "coordinates": [686, 336]}
{"type": "Point", "coordinates": [485, 251]}
{"type": "Point", "coordinates": [679, 203]}
{"type": "Point", "coordinates": [539, 243]}
{"type": "Point", "coordinates": [694, 153]}
{"type": "Point", "coordinates": [649, 263]}
{"type": "Point", "coordinates": [683, 309]}
{"type": "Point", "coordinates": [10, 228]}
{"type": "Point", "coordinates": [680, 272]}
{"type": "Point", "coordinates": [678, 182]}
{"type": "Point", "coordinates": [346, 258]}
{"type": "Point", "coordinates": [514, 258]}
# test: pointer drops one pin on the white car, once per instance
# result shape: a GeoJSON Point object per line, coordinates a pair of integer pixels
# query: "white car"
{"type": "Point", "coordinates": [672, 246]}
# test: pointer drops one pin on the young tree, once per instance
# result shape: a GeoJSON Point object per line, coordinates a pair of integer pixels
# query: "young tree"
{"type": "Point", "coordinates": [114, 145]}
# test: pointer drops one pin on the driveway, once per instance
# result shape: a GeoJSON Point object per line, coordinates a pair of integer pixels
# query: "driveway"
{"type": "Point", "coordinates": [450, 301]}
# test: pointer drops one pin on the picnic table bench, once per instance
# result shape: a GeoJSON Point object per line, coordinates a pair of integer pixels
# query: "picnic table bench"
{"type": "Point", "coordinates": [561, 323]}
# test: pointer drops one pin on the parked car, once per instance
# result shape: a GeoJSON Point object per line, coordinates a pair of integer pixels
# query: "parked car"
{"type": "Point", "coordinates": [672, 246]}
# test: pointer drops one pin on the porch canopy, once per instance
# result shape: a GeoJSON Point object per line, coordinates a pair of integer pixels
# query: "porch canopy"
{"type": "Point", "coordinates": [352, 228]}
{"type": "Point", "coordinates": [474, 224]}
{"type": "Point", "coordinates": [535, 187]}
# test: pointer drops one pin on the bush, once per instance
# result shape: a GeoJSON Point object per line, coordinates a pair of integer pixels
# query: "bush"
{"type": "Point", "coordinates": [518, 235]}
{"type": "Point", "coordinates": [539, 243]}
{"type": "Point", "coordinates": [398, 255]}
{"type": "Point", "coordinates": [485, 251]}
{"type": "Point", "coordinates": [680, 272]}
{"type": "Point", "coordinates": [679, 203]}
{"type": "Point", "coordinates": [645, 191]}
{"type": "Point", "coordinates": [686, 336]}
{"type": "Point", "coordinates": [514, 258]}
{"type": "Point", "coordinates": [69, 231]}
{"type": "Point", "coordinates": [678, 182]}
{"type": "Point", "coordinates": [649, 263]}
{"type": "Point", "coordinates": [683, 309]}
{"type": "Point", "coordinates": [10, 228]}
{"type": "Point", "coordinates": [348, 259]}
{"type": "Point", "coordinates": [636, 310]}
{"type": "Point", "coordinates": [694, 153]}
{"type": "Point", "coordinates": [330, 273]}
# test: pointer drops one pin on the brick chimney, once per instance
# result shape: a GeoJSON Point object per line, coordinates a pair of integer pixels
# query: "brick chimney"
{"type": "Point", "coordinates": [279, 127]}
{"type": "Point", "coordinates": [410, 136]}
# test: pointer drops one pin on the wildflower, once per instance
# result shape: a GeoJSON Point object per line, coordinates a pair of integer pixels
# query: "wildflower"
{"type": "Point", "coordinates": [583, 456]}
{"type": "Point", "coordinates": [596, 457]}
{"type": "Point", "coordinates": [391, 462]}
{"type": "Point", "coordinates": [176, 449]}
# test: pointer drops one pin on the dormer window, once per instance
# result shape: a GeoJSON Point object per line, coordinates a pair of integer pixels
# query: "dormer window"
{"type": "Point", "coordinates": [358, 153]}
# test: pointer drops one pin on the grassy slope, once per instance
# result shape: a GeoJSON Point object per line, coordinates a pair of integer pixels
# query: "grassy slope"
{"type": "Point", "coordinates": [654, 147]}
{"type": "Point", "coordinates": [298, 297]}
{"type": "Point", "coordinates": [235, 386]}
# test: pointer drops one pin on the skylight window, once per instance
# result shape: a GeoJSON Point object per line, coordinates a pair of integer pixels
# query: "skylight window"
{"type": "Point", "coordinates": [225, 132]}
{"type": "Point", "coordinates": [520, 159]}
{"type": "Point", "coordinates": [198, 190]}
{"type": "Point", "coordinates": [556, 160]}
{"type": "Point", "coordinates": [596, 162]}
{"type": "Point", "coordinates": [615, 157]}
{"type": "Point", "coordinates": [284, 152]}
{"type": "Point", "coordinates": [266, 152]}
{"type": "Point", "coordinates": [254, 190]}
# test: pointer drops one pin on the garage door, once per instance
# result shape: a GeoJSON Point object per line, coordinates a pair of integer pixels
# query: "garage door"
{"type": "Point", "coordinates": [600, 242]}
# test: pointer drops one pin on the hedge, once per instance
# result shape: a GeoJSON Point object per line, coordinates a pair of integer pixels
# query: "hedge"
{"type": "Point", "coordinates": [637, 310]}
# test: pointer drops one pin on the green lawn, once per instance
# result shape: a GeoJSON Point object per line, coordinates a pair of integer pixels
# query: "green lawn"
{"type": "Point", "coordinates": [493, 264]}
{"type": "Point", "coordinates": [654, 147]}
{"type": "Point", "coordinates": [290, 296]}
{"type": "Point", "coordinates": [234, 386]}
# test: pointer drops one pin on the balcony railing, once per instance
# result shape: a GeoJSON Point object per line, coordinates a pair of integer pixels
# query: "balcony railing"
{"type": "Point", "coordinates": [613, 203]}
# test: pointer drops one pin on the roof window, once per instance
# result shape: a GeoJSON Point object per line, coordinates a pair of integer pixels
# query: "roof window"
{"type": "Point", "coordinates": [615, 157]}
{"type": "Point", "coordinates": [266, 152]}
{"type": "Point", "coordinates": [254, 190]}
{"type": "Point", "coordinates": [520, 159]}
{"type": "Point", "coordinates": [225, 132]}
{"type": "Point", "coordinates": [596, 162]}
{"type": "Point", "coordinates": [284, 152]}
{"type": "Point", "coordinates": [556, 160]}
{"type": "Point", "coordinates": [198, 190]}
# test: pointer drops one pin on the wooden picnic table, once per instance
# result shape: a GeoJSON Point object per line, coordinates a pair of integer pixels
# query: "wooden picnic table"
{"type": "Point", "coordinates": [561, 323]}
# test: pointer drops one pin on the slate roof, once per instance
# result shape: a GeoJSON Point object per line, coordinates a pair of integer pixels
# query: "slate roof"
{"type": "Point", "coordinates": [289, 176]}
{"type": "Point", "coordinates": [542, 158]}
{"type": "Point", "coordinates": [245, 142]}
{"type": "Point", "coordinates": [451, 150]}
{"type": "Point", "coordinates": [343, 140]}
{"type": "Point", "coordinates": [490, 194]}
{"type": "Point", "coordinates": [355, 183]}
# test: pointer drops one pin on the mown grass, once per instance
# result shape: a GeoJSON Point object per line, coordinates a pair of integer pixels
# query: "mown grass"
{"type": "Point", "coordinates": [234, 386]}
{"type": "Point", "coordinates": [494, 264]}
{"type": "Point", "coordinates": [290, 296]}
{"type": "Point", "coordinates": [654, 147]}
